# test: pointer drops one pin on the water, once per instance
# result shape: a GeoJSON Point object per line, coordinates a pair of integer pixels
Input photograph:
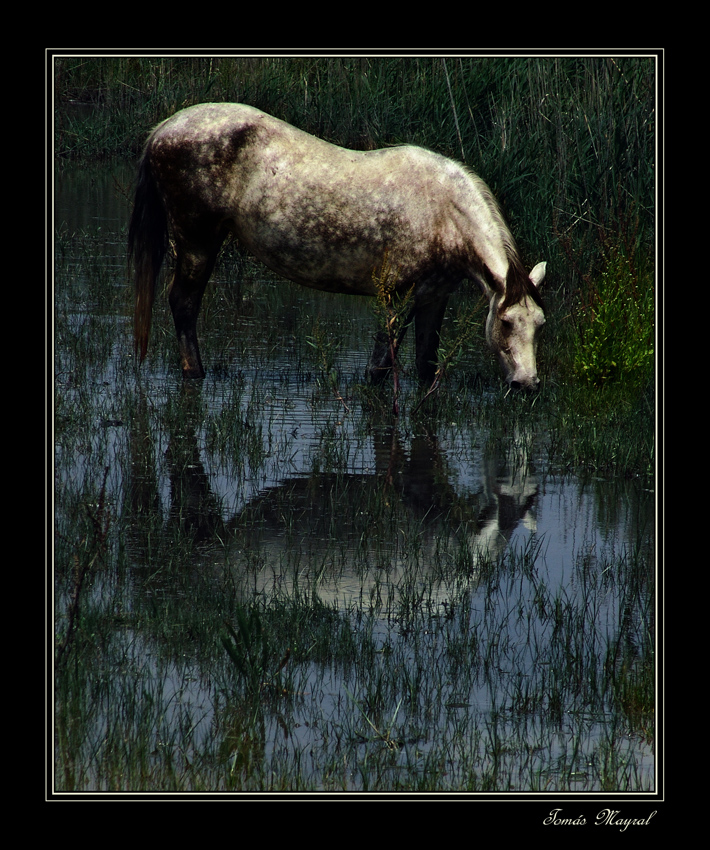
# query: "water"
{"type": "Point", "coordinates": [287, 490]}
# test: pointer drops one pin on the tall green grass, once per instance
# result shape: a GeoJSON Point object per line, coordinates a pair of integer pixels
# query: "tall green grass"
{"type": "Point", "coordinates": [567, 144]}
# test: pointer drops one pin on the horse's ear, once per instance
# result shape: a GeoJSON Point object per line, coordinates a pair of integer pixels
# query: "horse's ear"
{"type": "Point", "coordinates": [537, 275]}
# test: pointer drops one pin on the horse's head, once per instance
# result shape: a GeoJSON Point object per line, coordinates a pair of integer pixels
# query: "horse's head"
{"type": "Point", "coordinates": [512, 331]}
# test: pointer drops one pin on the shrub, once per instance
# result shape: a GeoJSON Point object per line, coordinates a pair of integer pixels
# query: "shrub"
{"type": "Point", "coordinates": [615, 326]}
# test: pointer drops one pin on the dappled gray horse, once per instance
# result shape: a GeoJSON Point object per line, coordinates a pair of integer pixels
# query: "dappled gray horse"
{"type": "Point", "coordinates": [327, 218]}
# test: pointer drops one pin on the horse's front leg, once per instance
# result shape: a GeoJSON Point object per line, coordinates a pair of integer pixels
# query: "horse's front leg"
{"type": "Point", "coordinates": [385, 350]}
{"type": "Point", "coordinates": [380, 362]}
{"type": "Point", "coordinates": [427, 324]}
{"type": "Point", "coordinates": [193, 269]}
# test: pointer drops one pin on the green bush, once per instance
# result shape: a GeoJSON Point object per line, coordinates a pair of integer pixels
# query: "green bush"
{"type": "Point", "coordinates": [615, 326]}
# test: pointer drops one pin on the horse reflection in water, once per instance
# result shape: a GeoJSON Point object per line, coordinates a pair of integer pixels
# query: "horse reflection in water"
{"type": "Point", "coordinates": [400, 531]}
{"type": "Point", "coordinates": [327, 218]}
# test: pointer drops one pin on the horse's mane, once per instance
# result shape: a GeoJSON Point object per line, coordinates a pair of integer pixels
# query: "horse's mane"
{"type": "Point", "coordinates": [517, 282]}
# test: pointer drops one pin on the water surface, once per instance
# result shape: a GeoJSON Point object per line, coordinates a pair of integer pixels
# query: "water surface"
{"type": "Point", "coordinates": [285, 489]}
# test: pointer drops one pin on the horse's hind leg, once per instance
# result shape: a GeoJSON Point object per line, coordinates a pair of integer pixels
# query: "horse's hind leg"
{"type": "Point", "coordinates": [192, 271]}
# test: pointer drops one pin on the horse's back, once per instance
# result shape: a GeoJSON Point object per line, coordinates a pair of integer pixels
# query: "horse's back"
{"type": "Point", "coordinates": [220, 135]}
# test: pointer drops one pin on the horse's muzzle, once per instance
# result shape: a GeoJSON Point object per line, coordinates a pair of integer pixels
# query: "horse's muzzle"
{"type": "Point", "coordinates": [527, 384]}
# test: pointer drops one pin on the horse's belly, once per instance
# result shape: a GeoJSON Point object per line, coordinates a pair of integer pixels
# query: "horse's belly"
{"type": "Point", "coordinates": [317, 248]}
{"type": "Point", "coordinates": [318, 265]}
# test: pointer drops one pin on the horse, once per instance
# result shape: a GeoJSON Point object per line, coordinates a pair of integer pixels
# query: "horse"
{"type": "Point", "coordinates": [327, 218]}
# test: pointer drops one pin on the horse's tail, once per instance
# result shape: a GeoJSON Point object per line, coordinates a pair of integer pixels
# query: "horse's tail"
{"type": "Point", "coordinates": [147, 244]}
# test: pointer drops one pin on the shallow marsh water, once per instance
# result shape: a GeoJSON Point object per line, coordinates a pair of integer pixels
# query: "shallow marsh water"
{"type": "Point", "coordinates": [450, 603]}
